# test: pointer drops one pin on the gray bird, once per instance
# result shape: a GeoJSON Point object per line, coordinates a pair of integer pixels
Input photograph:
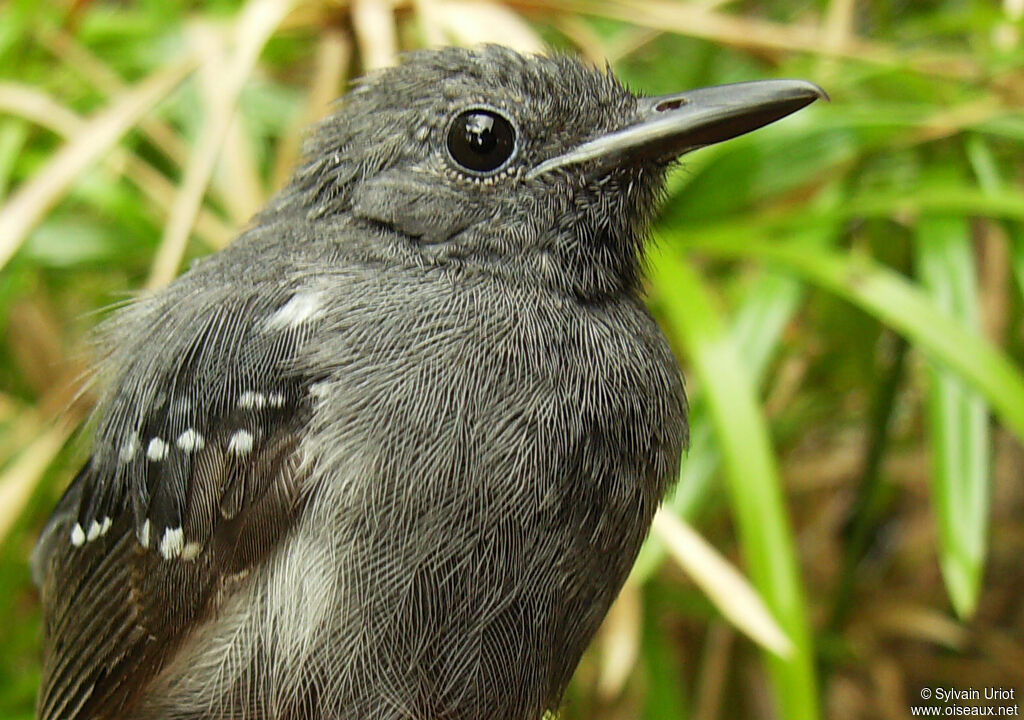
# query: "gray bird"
{"type": "Point", "coordinates": [392, 453]}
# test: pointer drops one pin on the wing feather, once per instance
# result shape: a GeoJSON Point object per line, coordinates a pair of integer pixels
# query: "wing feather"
{"type": "Point", "coordinates": [115, 612]}
{"type": "Point", "coordinates": [194, 477]}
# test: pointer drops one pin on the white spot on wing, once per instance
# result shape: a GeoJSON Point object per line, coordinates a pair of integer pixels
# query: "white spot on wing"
{"type": "Point", "coordinates": [128, 449]}
{"type": "Point", "coordinates": [94, 531]}
{"type": "Point", "coordinates": [172, 542]}
{"type": "Point", "coordinates": [105, 524]}
{"type": "Point", "coordinates": [240, 443]}
{"type": "Point", "coordinates": [191, 551]}
{"type": "Point", "coordinates": [156, 450]}
{"type": "Point", "coordinates": [250, 400]}
{"type": "Point", "coordinates": [144, 534]}
{"type": "Point", "coordinates": [303, 306]}
{"type": "Point", "coordinates": [275, 400]}
{"type": "Point", "coordinates": [78, 536]}
{"type": "Point", "coordinates": [190, 441]}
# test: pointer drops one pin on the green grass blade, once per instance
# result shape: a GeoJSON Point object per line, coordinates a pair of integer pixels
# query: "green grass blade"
{"type": "Point", "coordinates": [756, 330]}
{"type": "Point", "coordinates": [894, 301]}
{"type": "Point", "coordinates": [757, 327]}
{"type": "Point", "coordinates": [957, 198]}
{"type": "Point", "coordinates": [13, 133]}
{"type": "Point", "coordinates": [958, 417]}
{"type": "Point", "coordinates": [753, 478]}
{"type": "Point", "coordinates": [666, 697]}
{"type": "Point", "coordinates": [951, 197]}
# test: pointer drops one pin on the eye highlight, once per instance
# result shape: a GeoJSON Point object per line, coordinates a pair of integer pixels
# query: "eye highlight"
{"type": "Point", "coordinates": [481, 140]}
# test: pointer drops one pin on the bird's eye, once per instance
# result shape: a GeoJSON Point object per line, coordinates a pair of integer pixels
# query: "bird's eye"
{"type": "Point", "coordinates": [481, 140]}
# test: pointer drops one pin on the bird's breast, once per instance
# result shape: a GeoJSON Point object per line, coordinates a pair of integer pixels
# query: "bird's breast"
{"type": "Point", "coordinates": [483, 467]}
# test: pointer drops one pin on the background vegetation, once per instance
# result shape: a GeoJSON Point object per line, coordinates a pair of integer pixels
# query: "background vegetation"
{"type": "Point", "coordinates": [844, 290]}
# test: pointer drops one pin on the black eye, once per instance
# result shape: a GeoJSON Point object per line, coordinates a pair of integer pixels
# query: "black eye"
{"type": "Point", "coordinates": [481, 140]}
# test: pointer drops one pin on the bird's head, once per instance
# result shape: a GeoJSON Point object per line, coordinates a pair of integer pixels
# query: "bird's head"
{"type": "Point", "coordinates": [541, 169]}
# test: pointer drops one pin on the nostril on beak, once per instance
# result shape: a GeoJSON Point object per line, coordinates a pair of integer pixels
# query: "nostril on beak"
{"type": "Point", "coordinates": [672, 104]}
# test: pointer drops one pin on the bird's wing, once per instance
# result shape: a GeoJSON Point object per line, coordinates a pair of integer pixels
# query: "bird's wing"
{"type": "Point", "coordinates": [194, 476]}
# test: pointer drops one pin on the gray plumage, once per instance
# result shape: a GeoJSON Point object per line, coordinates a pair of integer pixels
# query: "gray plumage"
{"type": "Point", "coordinates": [392, 453]}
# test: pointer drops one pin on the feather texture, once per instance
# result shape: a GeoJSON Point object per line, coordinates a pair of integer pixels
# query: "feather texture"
{"type": "Point", "coordinates": [156, 527]}
{"type": "Point", "coordinates": [390, 454]}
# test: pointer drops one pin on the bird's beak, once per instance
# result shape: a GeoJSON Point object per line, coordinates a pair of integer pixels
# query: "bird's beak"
{"type": "Point", "coordinates": [670, 125]}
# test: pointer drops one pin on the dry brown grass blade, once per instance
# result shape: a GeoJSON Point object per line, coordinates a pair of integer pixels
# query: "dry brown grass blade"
{"type": "Point", "coordinates": [376, 35]}
{"type": "Point", "coordinates": [236, 179]}
{"type": "Point", "coordinates": [472, 23]}
{"type": "Point", "coordinates": [34, 341]}
{"type": "Point", "coordinates": [241, 190]}
{"type": "Point", "coordinates": [724, 585]}
{"type": "Point", "coordinates": [837, 30]}
{"type": "Point", "coordinates": [333, 54]}
{"type": "Point", "coordinates": [921, 623]}
{"type": "Point", "coordinates": [590, 43]}
{"type": "Point", "coordinates": [8, 408]}
{"type": "Point", "coordinates": [714, 671]}
{"type": "Point", "coordinates": [620, 642]}
{"type": "Point", "coordinates": [257, 23]}
{"type": "Point", "coordinates": [101, 76]}
{"type": "Point", "coordinates": [755, 34]}
{"type": "Point", "coordinates": [838, 27]}
{"type": "Point", "coordinates": [956, 119]}
{"type": "Point", "coordinates": [69, 398]}
{"type": "Point", "coordinates": [1005, 649]}
{"type": "Point", "coordinates": [1006, 35]}
{"type": "Point", "coordinates": [888, 682]}
{"type": "Point", "coordinates": [19, 480]}
{"type": "Point", "coordinates": [994, 288]}
{"type": "Point", "coordinates": [33, 199]}
{"type": "Point", "coordinates": [28, 103]}
{"type": "Point", "coordinates": [629, 43]}
{"type": "Point", "coordinates": [430, 23]}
